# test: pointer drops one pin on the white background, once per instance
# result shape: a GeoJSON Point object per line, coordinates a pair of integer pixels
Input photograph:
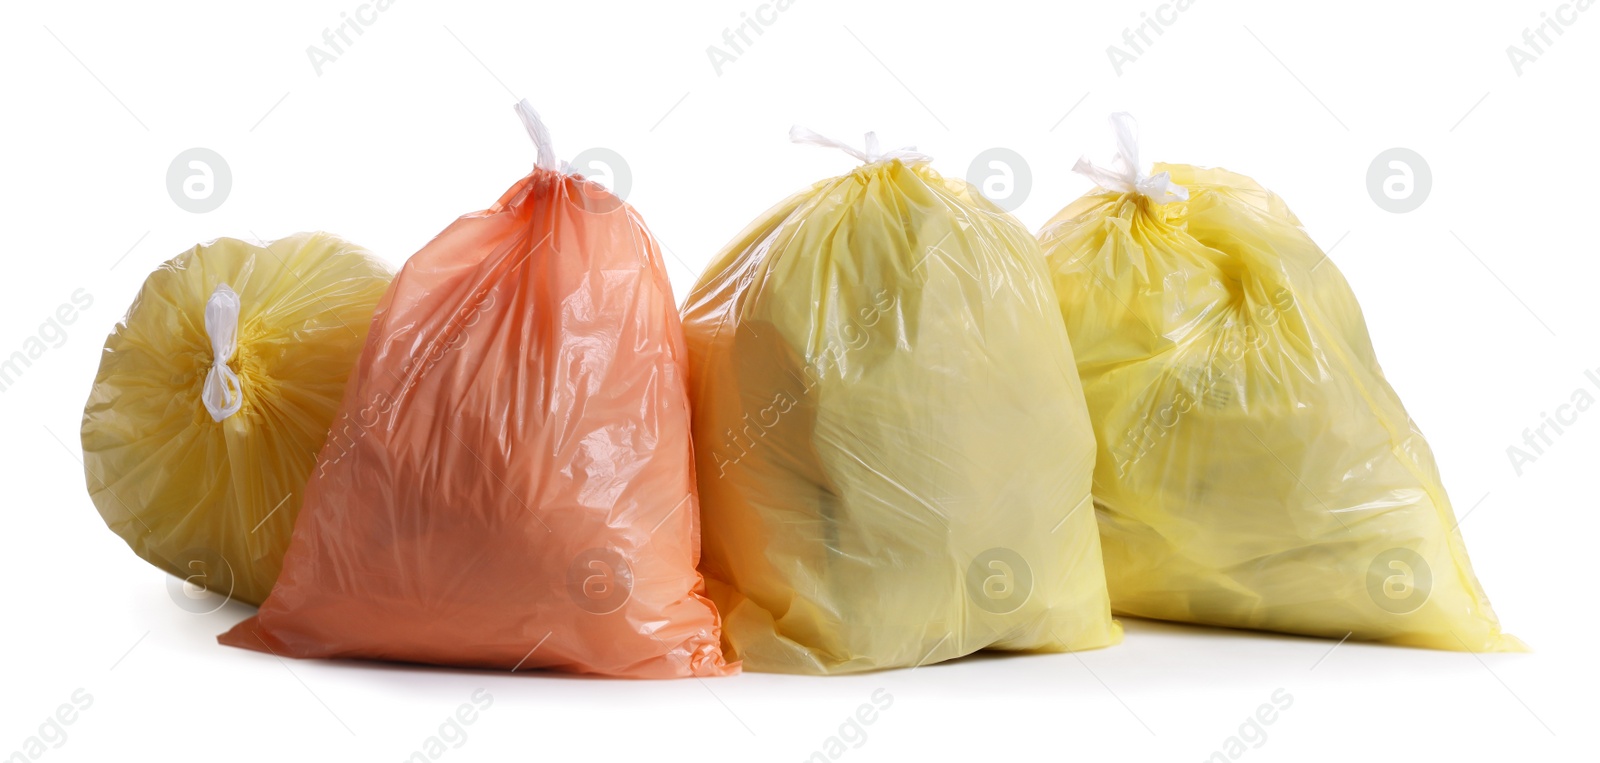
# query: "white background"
{"type": "Point", "coordinates": [1481, 304]}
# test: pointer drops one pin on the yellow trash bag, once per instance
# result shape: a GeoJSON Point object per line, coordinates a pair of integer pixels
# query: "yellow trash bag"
{"type": "Point", "coordinates": [893, 454]}
{"type": "Point", "coordinates": [214, 396]}
{"type": "Point", "coordinates": [1255, 469]}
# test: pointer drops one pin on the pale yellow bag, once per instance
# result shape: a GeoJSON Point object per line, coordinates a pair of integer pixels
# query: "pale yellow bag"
{"type": "Point", "coordinates": [214, 395]}
{"type": "Point", "coordinates": [893, 456]}
{"type": "Point", "coordinates": [1255, 470]}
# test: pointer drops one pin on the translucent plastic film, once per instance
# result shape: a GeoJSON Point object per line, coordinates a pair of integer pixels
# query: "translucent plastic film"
{"type": "Point", "coordinates": [893, 452]}
{"type": "Point", "coordinates": [215, 393]}
{"type": "Point", "coordinates": [1255, 469]}
{"type": "Point", "coordinates": [510, 483]}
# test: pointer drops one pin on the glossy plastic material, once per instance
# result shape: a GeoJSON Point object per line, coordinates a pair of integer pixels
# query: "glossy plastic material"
{"type": "Point", "coordinates": [510, 482]}
{"type": "Point", "coordinates": [212, 501]}
{"type": "Point", "coordinates": [1255, 469]}
{"type": "Point", "coordinates": [894, 455]}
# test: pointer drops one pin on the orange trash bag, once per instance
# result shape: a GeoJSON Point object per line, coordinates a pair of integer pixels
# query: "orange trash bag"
{"type": "Point", "coordinates": [510, 483]}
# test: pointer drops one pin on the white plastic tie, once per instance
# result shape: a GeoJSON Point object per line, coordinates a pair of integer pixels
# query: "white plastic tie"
{"type": "Point", "coordinates": [1126, 174]}
{"type": "Point", "coordinates": [540, 135]}
{"type": "Point", "coordinates": [222, 394]}
{"type": "Point", "coordinates": [873, 152]}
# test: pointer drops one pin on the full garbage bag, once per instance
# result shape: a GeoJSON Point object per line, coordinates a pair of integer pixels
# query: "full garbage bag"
{"type": "Point", "coordinates": [509, 483]}
{"type": "Point", "coordinates": [213, 396]}
{"type": "Point", "coordinates": [893, 454]}
{"type": "Point", "coordinates": [1255, 469]}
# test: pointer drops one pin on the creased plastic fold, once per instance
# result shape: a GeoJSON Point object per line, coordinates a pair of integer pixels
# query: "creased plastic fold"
{"type": "Point", "coordinates": [1255, 469]}
{"type": "Point", "coordinates": [199, 465]}
{"type": "Point", "coordinates": [894, 457]}
{"type": "Point", "coordinates": [509, 483]}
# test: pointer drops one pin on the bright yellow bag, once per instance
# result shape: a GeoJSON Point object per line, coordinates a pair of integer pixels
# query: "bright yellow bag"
{"type": "Point", "coordinates": [1255, 469]}
{"type": "Point", "coordinates": [893, 455]}
{"type": "Point", "coordinates": [214, 396]}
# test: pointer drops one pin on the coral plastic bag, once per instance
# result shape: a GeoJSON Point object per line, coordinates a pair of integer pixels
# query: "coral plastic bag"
{"type": "Point", "coordinates": [510, 481]}
{"type": "Point", "coordinates": [1255, 468]}
{"type": "Point", "coordinates": [213, 396]}
{"type": "Point", "coordinates": [894, 456]}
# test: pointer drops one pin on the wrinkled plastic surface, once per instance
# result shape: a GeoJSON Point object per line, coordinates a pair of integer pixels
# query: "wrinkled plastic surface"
{"type": "Point", "coordinates": [214, 502]}
{"type": "Point", "coordinates": [509, 483]}
{"type": "Point", "coordinates": [894, 455]}
{"type": "Point", "coordinates": [1255, 469]}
